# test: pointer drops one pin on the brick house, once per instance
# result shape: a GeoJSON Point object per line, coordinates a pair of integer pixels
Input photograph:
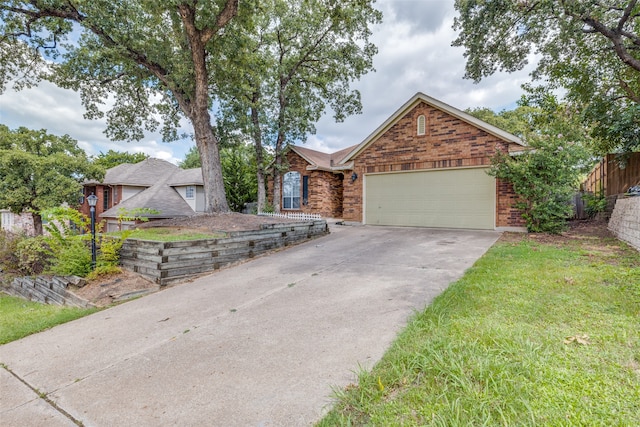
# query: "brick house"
{"type": "Point", "coordinates": [424, 166]}
{"type": "Point", "coordinates": [154, 184]}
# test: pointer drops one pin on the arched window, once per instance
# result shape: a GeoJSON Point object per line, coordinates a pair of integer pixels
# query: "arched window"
{"type": "Point", "coordinates": [422, 125]}
{"type": "Point", "coordinates": [291, 190]}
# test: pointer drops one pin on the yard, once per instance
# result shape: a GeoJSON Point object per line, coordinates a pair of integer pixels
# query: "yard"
{"type": "Point", "coordinates": [543, 330]}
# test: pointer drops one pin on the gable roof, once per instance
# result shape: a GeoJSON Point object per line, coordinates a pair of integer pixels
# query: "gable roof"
{"type": "Point", "coordinates": [161, 197]}
{"type": "Point", "coordinates": [144, 173]}
{"type": "Point", "coordinates": [183, 177]}
{"type": "Point", "coordinates": [410, 104]}
{"type": "Point", "coordinates": [159, 177]}
{"type": "Point", "coordinates": [322, 161]}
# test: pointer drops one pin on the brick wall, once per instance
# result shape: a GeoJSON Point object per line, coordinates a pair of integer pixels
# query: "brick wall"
{"type": "Point", "coordinates": [625, 220]}
{"type": "Point", "coordinates": [447, 143]}
{"type": "Point", "coordinates": [325, 188]}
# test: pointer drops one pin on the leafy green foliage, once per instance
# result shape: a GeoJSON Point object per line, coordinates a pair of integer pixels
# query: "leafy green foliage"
{"type": "Point", "coordinates": [588, 48]}
{"type": "Point", "coordinates": [40, 171]}
{"type": "Point", "coordinates": [21, 255]}
{"type": "Point", "coordinates": [301, 57]}
{"type": "Point", "coordinates": [238, 172]}
{"type": "Point", "coordinates": [113, 158]}
{"type": "Point", "coordinates": [143, 73]}
{"type": "Point", "coordinates": [594, 204]}
{"type": "Point", "coordinates": [191, 159]}
{"type": "Point", "coordinates": [547, 175]}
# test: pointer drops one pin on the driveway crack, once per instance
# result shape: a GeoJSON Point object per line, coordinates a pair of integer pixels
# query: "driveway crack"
{"type": "Point", "coordinates": [44, 397]}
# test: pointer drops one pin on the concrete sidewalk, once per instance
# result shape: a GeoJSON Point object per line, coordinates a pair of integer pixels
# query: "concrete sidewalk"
{"type": "Point", "coordinates": [259, 344]}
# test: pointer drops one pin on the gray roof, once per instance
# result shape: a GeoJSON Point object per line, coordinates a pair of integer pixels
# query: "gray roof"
{"type": "Point", "coordinates": [186, 177]}
{"type": "Point", "coordinates": [161, 197]}
{"type": "Point", "coordinates": [145, 173]}
{"type": "Point", "coordinates": [159, 177]}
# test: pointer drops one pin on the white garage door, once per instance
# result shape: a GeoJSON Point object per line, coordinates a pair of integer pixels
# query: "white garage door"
{"type": "Point", "coordinates": [458, 198]}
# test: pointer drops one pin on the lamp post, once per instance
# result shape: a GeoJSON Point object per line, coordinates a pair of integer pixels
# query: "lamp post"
{"type": "Point", "coordinates": [93, 200]}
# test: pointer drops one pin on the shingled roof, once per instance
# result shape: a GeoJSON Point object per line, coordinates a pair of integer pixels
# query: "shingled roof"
{"type": "Point", "coordinates": [159, 176]}
{"type": "Point", "coordinates": [323, 161]}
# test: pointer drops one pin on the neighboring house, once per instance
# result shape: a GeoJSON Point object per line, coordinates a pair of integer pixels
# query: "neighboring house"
{"type": "Point", "coordinates": [153, 184]}
{"type": "Point", "coordinates": [17, 223]}
{"type": "Point", "coordinates": [426, 166]}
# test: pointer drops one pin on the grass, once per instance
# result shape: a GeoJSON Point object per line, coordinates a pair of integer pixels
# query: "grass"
{"type": "Point", "coordinates": [19, 318]}
{"type": "Point", "coordinates": [533, 335]}
{"type": "Point", "coordinates": [165, 234]}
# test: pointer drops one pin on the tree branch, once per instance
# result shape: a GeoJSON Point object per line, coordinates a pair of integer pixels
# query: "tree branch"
{"type": "Point", "coordinates": [229, 11]}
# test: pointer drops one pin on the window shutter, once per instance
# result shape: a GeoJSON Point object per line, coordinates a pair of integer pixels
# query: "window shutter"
{"type": "Point", "coordinates": [305, 190]}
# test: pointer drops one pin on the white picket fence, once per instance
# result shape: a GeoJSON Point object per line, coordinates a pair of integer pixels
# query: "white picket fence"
{"type": "Point", "coordinates": [293, 215]}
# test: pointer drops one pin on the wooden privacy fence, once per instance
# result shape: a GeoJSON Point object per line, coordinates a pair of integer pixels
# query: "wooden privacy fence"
{"type": "Point", "coordinates": [170, 262]}
{"type": "Point", "coordinates": [608, 178]}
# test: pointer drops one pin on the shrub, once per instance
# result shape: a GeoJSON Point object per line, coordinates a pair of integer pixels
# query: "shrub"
{"type": "Point", "coordinates": [594, 204]}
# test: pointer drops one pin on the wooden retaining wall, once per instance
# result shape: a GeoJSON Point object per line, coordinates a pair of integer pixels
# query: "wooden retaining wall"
{"type": "Point", "coordinates": [170, 262]}
{"type": "Point", "coordinates": [48, 290]}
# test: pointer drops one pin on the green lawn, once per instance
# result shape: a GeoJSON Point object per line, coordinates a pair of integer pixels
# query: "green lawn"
{"type": "Point", "coordinates": [533, 335]}
{"type": "Point", "coordinates": [19, 318]}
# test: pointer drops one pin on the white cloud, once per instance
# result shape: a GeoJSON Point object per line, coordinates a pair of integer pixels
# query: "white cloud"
{"type": "Point", "coordinates": [415, 55]}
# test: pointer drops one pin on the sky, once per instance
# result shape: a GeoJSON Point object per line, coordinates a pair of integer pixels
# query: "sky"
{"type": "Point", "coordinates": [414, 55]}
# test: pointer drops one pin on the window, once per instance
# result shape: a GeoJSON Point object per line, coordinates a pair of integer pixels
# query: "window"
{"type": "Point", "coordinates": [105, 199]}
{"type": "Point", "coordinates": [190, 192]}
{"type": "Point", "coordinates": [422, 125]}
{"type": "Point", "coordinates": [291, 191]}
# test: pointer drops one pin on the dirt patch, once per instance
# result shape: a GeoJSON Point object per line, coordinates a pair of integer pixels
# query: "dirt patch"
{"type": "Point", "coordinates": [226, 222]}
{"type": "Point", "coordinates": [118, 287]}
{"type": "Point", "coordinates": [115, 287]}
{"type": "Point", "coordinates": [590, 236]}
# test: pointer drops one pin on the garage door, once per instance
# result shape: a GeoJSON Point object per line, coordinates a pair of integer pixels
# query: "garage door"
{"type": "Point", "coordinates": [458, 198]}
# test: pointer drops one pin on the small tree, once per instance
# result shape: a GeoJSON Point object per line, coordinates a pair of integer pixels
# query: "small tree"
{"type": "Point", "coordinates": [546, 176]}
{"type": "Point", "coordinates": [39, 171]}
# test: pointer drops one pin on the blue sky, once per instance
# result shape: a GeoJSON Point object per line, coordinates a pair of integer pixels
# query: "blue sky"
{"type": "Point", "coordinates": [414, 55]}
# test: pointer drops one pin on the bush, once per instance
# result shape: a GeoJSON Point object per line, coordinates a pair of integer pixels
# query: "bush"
{"type": "Point", "coordinates": [23, 255]}
{"type": "Point", "coordinates": [593, 204]}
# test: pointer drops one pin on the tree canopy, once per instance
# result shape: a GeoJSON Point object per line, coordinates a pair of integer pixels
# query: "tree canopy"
{"type": "Point", "coordinates": [591, 49]}
{"type": "Point", "coordinates": [40, 171]}
{"type": "Point", "coordinates": [142, 64]}
{"type": "Point", "coordinates": [113, 158]}
{"type": "Point", "coordinates": [302, 57]}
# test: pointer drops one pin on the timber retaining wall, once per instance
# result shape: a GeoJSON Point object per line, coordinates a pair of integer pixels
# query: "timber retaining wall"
{"type": "Point", "coordinates": [48, 290]}
{"type": "Point", "coordinates": [171, 262]}
{"type": "Point", "coordinates": [625, 220]}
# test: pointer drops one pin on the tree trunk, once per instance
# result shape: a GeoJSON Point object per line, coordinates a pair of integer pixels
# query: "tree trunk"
{"type": "Point", "coordinates": [207, 143]}
{"type": "Point", "coordinates": [277, 184]}
{"type": "Point", "coordinates": [37, 223]}
{"type": "Point", "coordinates": [196, 108]}
{"type": "Point", "coordinates": [257, 143]}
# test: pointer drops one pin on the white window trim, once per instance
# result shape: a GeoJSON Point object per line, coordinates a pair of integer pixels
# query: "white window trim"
{"type": "Point", "coordinates": [193, 192]}
{"type": "Point", "coordinates": [422, 125]}
{"type": "Point", "coordinates": [292, 197]}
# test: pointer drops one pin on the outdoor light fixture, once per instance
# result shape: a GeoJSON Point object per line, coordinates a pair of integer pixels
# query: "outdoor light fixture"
{"type": "Point", "coordinates": [93, 200]}
{"type": "Point", "coordinates": [354, 176]}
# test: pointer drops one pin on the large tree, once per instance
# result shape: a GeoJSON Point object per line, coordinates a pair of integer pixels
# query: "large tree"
{"type": "Point", "coordinates": [303, 54]}
{"type": "Point", "coordinates": [589, 48]}
{"type": "Point", "coordinates": [40, 171]}
{"type": "Point", "coordinates": [151, 62]}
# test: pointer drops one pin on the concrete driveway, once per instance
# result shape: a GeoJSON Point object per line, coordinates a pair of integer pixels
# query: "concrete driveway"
{"type": "Point", "coordinates": [259, 344]}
